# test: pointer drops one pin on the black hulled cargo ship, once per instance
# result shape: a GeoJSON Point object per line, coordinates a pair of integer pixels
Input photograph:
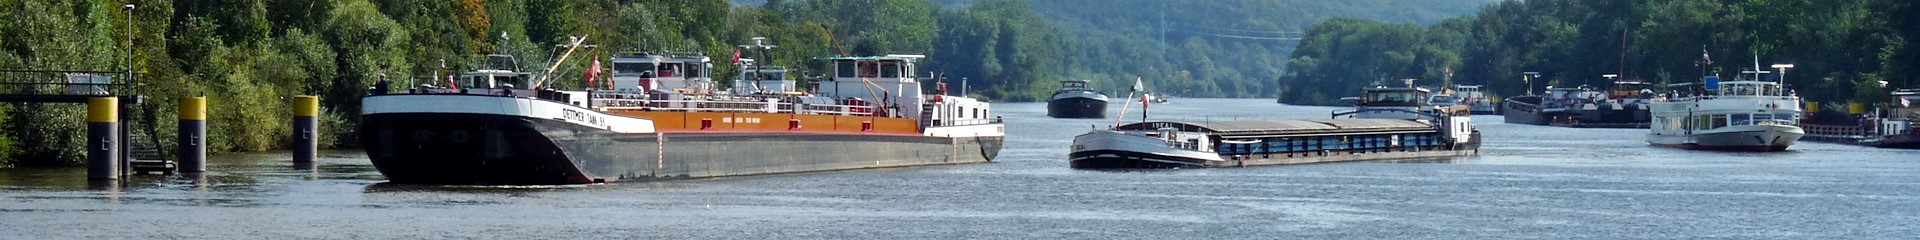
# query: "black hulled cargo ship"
{"type": "Point", "coordinates": [1386, 124]}
{"type": "Point", "coordinates": [658, 117]}
{"type": "Point", "coordinates": [1076, 100]}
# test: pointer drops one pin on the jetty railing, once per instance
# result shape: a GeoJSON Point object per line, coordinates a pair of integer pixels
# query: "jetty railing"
{"type": "Point", "coordinates": [61, 84]}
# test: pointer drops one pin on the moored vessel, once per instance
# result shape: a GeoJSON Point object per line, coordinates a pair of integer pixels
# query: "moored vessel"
{"type": "Point", "coordinates": [1889, 126]}
{"type": "Point", "coordinates": [1075, 99]}
{"type": "Point", "coordinates": [1477, 102]}
{"type": "Point", "coordinates": [660, 117]}
{"type": "Point", "coordinates": [1743, 115]}
{"type": "Point", "coordinates": [1386, 124]}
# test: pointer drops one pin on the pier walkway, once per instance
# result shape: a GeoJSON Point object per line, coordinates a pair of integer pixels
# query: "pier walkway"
{"type": "Point", "coordinates": [141, 152]}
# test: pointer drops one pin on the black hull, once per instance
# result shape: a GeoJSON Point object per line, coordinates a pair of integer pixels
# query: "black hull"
{"type": "Point", "coordinates": [1609, 118]}
{"type": "Point", "coordinates": [1908, 141]}
{"type": "Point", "coordinates": [1114, 159]}
{"type": "Point", "coordinates": [444, 148]}
{"type": "Point", "coordinates": [1522, 110]}
{"type": "Point", "coordinates": [1520, 114]}
{"type": "Point", "coordinates": [1691, 146]}
{"type": "Point", "coordinates": [1077, 107]}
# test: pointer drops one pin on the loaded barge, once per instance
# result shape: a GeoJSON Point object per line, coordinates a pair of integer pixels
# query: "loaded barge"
{"type": "Point", "coordinates": [1888, 127]}
{"type": "Point", "coordinates": [1386, 124]}
{"type": "Point", "coordinates": [660, 117]}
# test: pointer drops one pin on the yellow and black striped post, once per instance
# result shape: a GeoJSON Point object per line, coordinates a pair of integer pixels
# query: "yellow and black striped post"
{"type": "Point", "coordinates": [103, 138]}
{"type": "Point", "coordinates": [193, 135]}
{"type": "Point", "coordinates": [306, 127]}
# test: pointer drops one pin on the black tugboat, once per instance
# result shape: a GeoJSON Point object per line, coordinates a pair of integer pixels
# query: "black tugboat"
{"type": "Point", "coordinates": [1075, 100]}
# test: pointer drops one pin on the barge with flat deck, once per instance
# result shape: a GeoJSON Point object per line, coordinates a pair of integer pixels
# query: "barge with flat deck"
{"type": "Point", "coordinates": [661, 118]}
{"type": "Point", "coordinates": [1889, 126]}
{"type": "Point", "coordinates": [1386, 124]}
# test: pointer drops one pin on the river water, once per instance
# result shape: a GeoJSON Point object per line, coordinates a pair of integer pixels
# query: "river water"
{"type": "Point", "coordinates": [1530, 182]}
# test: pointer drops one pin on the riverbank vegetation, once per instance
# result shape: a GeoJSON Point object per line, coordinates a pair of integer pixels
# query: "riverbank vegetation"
{"type": "Point", "coordinates": [1842, 50]}
{"type": "Point", "coordinates": [249, 56]}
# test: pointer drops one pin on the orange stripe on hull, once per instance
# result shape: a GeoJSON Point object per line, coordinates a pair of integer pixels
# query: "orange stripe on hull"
{"type": "Point", "coordinates": [665, 121]}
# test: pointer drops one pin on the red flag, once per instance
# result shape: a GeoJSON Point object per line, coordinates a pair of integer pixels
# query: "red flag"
{"type": "Point", "coordinates": [736, 56]}
{"type": "Point", "coordinates": [594, 71]}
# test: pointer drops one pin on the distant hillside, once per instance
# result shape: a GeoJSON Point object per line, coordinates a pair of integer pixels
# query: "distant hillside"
{"type": "Point", "coordinates": [1214, 48]}
{"type": "Point", "coordinates": [1219, 48]}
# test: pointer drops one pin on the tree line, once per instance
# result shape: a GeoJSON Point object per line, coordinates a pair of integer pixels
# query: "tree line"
{"type": "Point", "coordinates": [1841, 50]}
{"type": "Point", "coordinates": [249, 56]}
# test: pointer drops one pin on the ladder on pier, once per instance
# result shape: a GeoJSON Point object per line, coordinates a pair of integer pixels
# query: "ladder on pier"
{"type": "Point", "coordinates": [144, 154]}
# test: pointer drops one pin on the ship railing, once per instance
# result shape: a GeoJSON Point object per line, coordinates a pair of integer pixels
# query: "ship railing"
{"type": "Point", "coordinates": [1838, 131]}
{"type": "Point", "coordinates": [624, 103]}
{"type": "Point", "coordinates": [964, 122]}
{"type": "Point", "coordinates": [844, 110]}
{"type": "Point", "coordinates": [734, 106]}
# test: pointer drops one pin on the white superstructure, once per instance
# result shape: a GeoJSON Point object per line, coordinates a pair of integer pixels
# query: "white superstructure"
{"type": "Point", "coordinates": [1734, 115]}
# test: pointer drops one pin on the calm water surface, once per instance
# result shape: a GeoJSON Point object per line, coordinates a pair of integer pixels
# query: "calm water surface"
{"type": "Point", "coordinates": [1531, 182]}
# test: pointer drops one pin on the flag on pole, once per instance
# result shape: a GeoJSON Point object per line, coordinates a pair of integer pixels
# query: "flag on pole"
{"type": "Point", "coordinates": [594, 71]}
{"type": "Point", "coordinates": [736, 56]}
{"type": "Point", "coordinates": [1708, 57]}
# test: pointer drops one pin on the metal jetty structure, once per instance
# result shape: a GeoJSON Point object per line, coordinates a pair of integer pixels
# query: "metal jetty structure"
{"type": "Point", "coordinates": [137, 133]}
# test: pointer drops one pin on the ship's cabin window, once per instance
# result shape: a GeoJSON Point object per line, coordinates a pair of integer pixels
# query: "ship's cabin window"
{"type": "Point", "coordinates": [1395, 97]}
{"type": "Point", "coordinates": [1751, 90]}
{"type": "Point", "coordinates": [765, 75]}
{"type": "Point", "coordinates": [632, 68]}
{"type": "Point", "coordinates": [844, 68]}
{"type": "Point", "coordinates": [892, 69]}
{"type": "Point", "coordinates": [669, 70]}
{"type": "Point", "coordinates": [495, 81]}
{"type": "Point", "coordinates": [873, 69]}
{"type": "Point", "coordinates": [1073, 84]}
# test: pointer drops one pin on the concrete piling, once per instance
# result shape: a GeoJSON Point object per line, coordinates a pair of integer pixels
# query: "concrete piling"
{"type": "Point", "coordinates": [306, 110]}
{"type": "Point", "coordinates": [193, 135]}
{"type": "Point", "coordinates": [103, 138]}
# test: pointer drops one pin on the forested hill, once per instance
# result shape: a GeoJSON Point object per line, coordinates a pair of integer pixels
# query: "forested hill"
{"type": "Point", "coordinates": [1842, 50]}
{"type": "Point", "coordinates": [1213, 48]}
